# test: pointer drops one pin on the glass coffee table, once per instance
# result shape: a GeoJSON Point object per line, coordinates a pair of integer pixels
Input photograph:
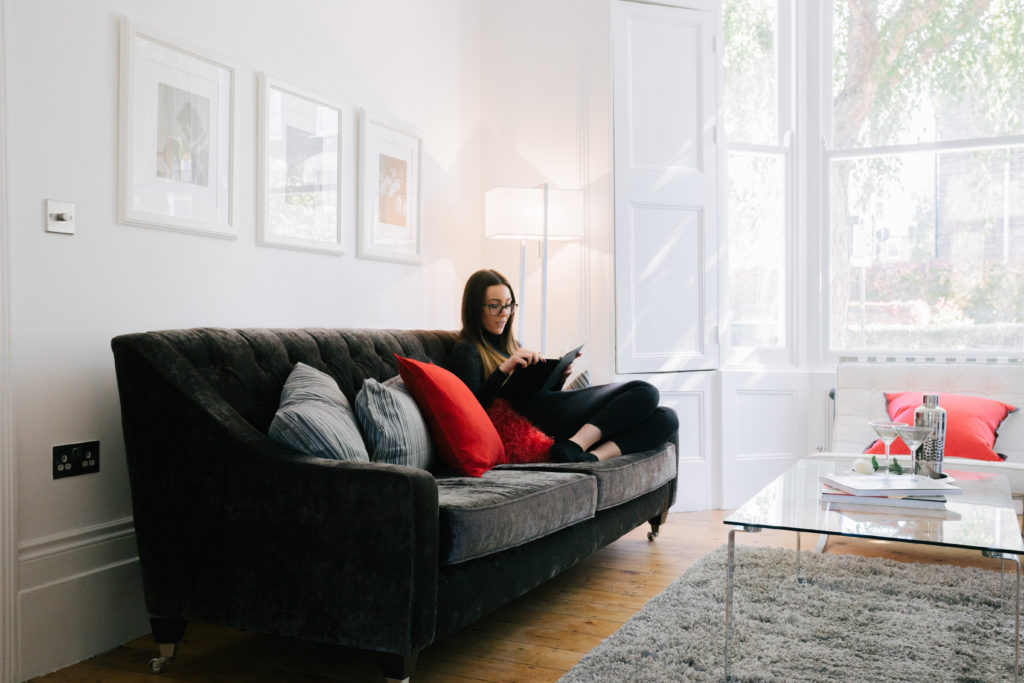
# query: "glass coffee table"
{"type": "Point", "coordinates": [982, 519]}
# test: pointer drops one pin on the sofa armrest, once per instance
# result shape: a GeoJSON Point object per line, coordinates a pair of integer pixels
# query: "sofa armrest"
{"type": "Point", "coordinates": [236, 529]}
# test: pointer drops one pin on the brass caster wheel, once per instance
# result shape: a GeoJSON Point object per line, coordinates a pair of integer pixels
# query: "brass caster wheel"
{"type": "Point", "coordinates": [158, 664]}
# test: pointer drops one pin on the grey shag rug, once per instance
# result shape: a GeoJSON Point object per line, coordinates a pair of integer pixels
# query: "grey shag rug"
{"type": "Point", "coordinates": [853, 619]}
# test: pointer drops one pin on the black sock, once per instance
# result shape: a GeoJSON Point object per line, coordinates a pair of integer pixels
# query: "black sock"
{"type": "Point", "coordinates": [569, 451]}
{"type": "Point", "coordinates": [565, 451]}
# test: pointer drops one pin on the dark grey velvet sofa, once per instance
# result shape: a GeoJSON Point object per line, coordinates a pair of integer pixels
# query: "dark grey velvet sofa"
{"type": "Point", "coordinates": [235, 529]}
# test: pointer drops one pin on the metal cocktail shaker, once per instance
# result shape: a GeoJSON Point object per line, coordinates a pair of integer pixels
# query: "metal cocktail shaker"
{"type": "Point", "coordinates": [929, 455]}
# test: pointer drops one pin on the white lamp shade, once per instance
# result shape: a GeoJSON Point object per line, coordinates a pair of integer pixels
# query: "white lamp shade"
{"type": "Point", "coordinates": [518, 213]}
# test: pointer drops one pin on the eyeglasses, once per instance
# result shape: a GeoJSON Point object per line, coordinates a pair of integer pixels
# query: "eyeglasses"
{"type": "Point", "coordinates": [496, 309]}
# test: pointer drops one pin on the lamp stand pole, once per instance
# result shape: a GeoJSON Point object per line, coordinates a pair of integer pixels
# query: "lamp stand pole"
{"type": "Point", "coordinates": [544, 280]}
{"type": "Point", "coordinates": [522, 286]}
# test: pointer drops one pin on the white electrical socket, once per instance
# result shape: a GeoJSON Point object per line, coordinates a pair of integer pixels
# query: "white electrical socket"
{"type": "Point", "coordinates": [60, 217]}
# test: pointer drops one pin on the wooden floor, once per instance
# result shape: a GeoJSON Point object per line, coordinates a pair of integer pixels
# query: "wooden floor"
{"type": "Point", "coordinates": [536, 638]}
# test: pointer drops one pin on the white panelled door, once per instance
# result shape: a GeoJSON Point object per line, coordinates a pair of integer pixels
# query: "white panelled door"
{"type": "Point", "coordinates": [666, 184]}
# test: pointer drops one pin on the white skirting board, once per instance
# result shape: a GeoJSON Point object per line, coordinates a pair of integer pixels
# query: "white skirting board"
{"type": "Point", "coordinates": [80, 595]}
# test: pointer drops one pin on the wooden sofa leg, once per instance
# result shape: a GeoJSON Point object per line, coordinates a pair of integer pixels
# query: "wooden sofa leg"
{"type": "Point", "coordinates": [656, 523]}
{"type": "Point", "coordinates": [167, 633]}
{"type": "Point", "coordinates": [398, 667]}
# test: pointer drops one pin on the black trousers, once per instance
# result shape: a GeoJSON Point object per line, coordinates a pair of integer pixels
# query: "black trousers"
{"type": "Point", "coordinates": [627, 414]}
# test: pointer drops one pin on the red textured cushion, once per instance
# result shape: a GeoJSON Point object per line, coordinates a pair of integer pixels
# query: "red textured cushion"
{"type": "Point", "coordinates": [460, 429]}
{"type": "Point", "coordinates": [971, 423]}
{"type": "Point", "coordinates": [523, 442]}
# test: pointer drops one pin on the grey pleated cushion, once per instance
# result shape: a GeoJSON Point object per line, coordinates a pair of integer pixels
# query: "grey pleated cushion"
{"type": "Point", "coordinates": [580, 381]}
{"type": "Point", "coordinates": [620, 479]}
{"type": "Point", "coordinates": [392, 424]}
{"type": "Point", "coordinates": [315, 417]}
{"type": "Point", "coordinates": [507, 508]}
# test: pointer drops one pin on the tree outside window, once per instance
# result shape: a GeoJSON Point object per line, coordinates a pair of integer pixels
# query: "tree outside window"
{"type": "Point", "coordinates": [757, 79]}
{"type": "Point", "coordinates": [926, 176]}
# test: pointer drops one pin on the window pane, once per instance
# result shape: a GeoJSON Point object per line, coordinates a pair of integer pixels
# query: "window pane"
{"type": "Point", "coordinates": [750, 71]}
{"type": "Point", "coordinates": [909, 72]}
{"type": "Point", "coordinates": [927, 252]}
{"type": "Point", "coordinates": [757, 239]}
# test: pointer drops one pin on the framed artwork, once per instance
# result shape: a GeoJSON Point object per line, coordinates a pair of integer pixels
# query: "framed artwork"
{"type": "Point", "coordinates": [176, 136]}
{"type": "Point", "coordinates": [389, 190]}
{"type": "Point", "coordinates": [302, 148]}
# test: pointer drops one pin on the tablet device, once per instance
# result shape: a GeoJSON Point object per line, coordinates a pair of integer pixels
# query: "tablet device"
{"type": "Point", "coordinates": [540, 376]}
{"type": "Point", "coordinates": [556, 374]}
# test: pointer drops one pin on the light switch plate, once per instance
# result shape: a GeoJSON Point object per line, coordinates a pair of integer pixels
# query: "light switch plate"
{"type": "Point", "coordinates": [60, 217]}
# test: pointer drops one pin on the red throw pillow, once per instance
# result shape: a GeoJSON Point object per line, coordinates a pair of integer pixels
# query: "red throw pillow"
{"type": "Point", "coordinates": [460, 429]}
{"type": "Point", "coordinates": [523, 442]}
{"type": "Point", "coordinates": [971, 423]}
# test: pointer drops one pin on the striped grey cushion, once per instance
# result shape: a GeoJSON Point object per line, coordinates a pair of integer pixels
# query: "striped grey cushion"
{"type": "Point", "coordinates": [316, 418]}
{"type": "Point", "coordinates": [393, 425]}
{"type": "Point", "coordinates": [580, 381]}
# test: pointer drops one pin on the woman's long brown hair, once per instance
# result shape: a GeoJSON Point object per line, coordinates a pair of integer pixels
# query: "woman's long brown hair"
{"type": "Point", "coordinates": [472, 318]}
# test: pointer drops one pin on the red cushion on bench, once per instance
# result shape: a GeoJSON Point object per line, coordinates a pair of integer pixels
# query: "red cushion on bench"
{"type": "Point", "coordinates": [971, 423]}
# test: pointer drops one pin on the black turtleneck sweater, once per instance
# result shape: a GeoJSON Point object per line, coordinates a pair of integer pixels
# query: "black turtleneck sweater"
{"type": "Point", "coordinates": [469, 367]}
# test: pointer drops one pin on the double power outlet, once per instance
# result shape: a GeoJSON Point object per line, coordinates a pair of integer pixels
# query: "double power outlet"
{"type": "Point", "coordinates": [76, 458]}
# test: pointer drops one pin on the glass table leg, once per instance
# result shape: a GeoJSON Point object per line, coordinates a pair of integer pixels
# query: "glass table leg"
{"type": "Point", "coordinates": [730, 555]}
{"type": "Point", "coordinates": [729, 566]}
{"type": "Point", "coordinates": [798, 577]}
{"type": "Point", "coordinates": [1016, 607]}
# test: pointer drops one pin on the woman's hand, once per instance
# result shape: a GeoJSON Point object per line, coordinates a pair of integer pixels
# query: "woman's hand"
{"type": "Point", "coordinates": [521, 358]}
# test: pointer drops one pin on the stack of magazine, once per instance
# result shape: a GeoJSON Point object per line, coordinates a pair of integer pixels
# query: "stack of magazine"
{"type": "Point", "coordinates": [850, 491]}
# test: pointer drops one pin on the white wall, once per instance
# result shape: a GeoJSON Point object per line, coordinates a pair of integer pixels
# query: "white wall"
{"type": "Point", "coordinates": [412, 60]}
{"type": "Point", "coordinates": [534, 118]}
{"type": "Point", "coordinates": [8, 513]}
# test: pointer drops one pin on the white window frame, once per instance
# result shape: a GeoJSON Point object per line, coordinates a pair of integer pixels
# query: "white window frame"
{"type": "Point", "coordinates": [826, 156]}
{"type": "Point", "coordinates": [787, 353]}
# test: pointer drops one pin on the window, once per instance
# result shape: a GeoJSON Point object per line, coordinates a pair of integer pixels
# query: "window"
{"type": "Point", "coordinates": [757, 117]}
{"type": "Point", "coordinates": [925, 170]}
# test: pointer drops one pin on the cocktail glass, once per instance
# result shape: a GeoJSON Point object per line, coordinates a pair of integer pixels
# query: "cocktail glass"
{"type": "Point", "coordinates": [913, 436]}
{"type": "Point", "coordinates": [886, 431]}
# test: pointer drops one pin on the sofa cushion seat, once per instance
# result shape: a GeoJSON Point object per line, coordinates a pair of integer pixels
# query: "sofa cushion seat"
{"type": "Point", "coordinates": [503, 509]}
{"type": "Point", "coordinates": [618, 479]}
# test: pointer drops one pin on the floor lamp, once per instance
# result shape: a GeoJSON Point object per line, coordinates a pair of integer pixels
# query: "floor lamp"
{"type": "Point", "coordinates": [541, 214]}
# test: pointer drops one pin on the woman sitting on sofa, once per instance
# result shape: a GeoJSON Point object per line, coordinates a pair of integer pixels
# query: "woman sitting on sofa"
{"type": "Point", "coordinates": [594, 423]}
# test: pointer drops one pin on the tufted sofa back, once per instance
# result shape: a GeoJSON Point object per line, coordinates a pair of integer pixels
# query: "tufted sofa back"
{"type": "Point", "coordinates": [248, 367]}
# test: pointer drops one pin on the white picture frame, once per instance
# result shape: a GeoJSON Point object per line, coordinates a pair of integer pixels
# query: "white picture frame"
{"type": "Point", "coordinates": [389, 190]}
{"type": "Point", "coordinates": [304, 142]}
{"type": "Point", "coordinates": [176, 129]}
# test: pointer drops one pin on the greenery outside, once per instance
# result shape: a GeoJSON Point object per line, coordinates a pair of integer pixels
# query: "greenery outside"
{"type": "Point", "coordinates": [927, 248]}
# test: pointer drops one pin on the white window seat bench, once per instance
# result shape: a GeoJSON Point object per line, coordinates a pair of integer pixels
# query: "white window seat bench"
{"type": "Point", "coordinates": [860, 397]}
